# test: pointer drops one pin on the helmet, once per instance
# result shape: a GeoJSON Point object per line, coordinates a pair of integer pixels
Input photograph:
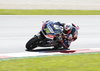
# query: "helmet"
{"type": "Point", "coordinates": [67, 29]}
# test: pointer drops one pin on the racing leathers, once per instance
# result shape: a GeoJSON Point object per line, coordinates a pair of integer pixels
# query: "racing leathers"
{"type": "Point", "coordinates": [69, 37]}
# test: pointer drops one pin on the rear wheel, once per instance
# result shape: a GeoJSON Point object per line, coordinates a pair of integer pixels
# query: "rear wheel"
{"type": "Point", "coordinates": [32, 43]}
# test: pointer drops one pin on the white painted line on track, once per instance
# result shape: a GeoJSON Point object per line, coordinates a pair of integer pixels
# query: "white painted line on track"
{"type": "Point", "coordinates": [26, 54]}
{"type": "Point", "coordinates": [47, 53]}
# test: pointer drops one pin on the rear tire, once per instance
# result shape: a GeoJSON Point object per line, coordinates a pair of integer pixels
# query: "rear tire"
{"type": "Point", "coordinates": [32, 43]}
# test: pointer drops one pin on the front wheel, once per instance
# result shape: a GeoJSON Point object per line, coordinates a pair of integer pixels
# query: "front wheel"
{"type": "Point", "coordinates": [32, 43]}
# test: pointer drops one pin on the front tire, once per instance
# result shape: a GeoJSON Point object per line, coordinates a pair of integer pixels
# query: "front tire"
{"type": "Point", "coordinates": [32, 43]}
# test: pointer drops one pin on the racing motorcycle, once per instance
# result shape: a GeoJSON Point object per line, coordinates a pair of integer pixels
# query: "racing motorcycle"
{"type": "Point", "coordinates": [44, 40]}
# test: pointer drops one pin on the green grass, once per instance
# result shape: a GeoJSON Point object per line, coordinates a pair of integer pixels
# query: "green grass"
{"type": "Point", "coordinates": [82, 62]}
{"type": "Point", "coordinates": [48, 12]}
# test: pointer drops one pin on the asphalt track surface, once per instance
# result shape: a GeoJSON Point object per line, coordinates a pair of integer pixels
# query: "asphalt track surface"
{"type": "Point", "coordinates": [16, 30]}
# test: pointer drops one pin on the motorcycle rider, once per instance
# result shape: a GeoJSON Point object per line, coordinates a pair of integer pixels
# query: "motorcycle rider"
{"type": "Point", "coordinates": [69, 31]}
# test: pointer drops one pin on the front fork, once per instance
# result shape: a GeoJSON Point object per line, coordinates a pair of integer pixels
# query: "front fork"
{"type": "Point", "coordinates": [59, 38]}
{"type": "Point", "coordinates": [66, 47]}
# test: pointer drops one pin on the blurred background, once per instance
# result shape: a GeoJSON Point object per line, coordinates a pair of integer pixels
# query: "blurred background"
{"type": "Point", "coordinates": [51, 4]}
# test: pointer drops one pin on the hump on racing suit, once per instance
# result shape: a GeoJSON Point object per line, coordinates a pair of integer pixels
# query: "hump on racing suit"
{"type": "Point", "coordinates": [50, 28]}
